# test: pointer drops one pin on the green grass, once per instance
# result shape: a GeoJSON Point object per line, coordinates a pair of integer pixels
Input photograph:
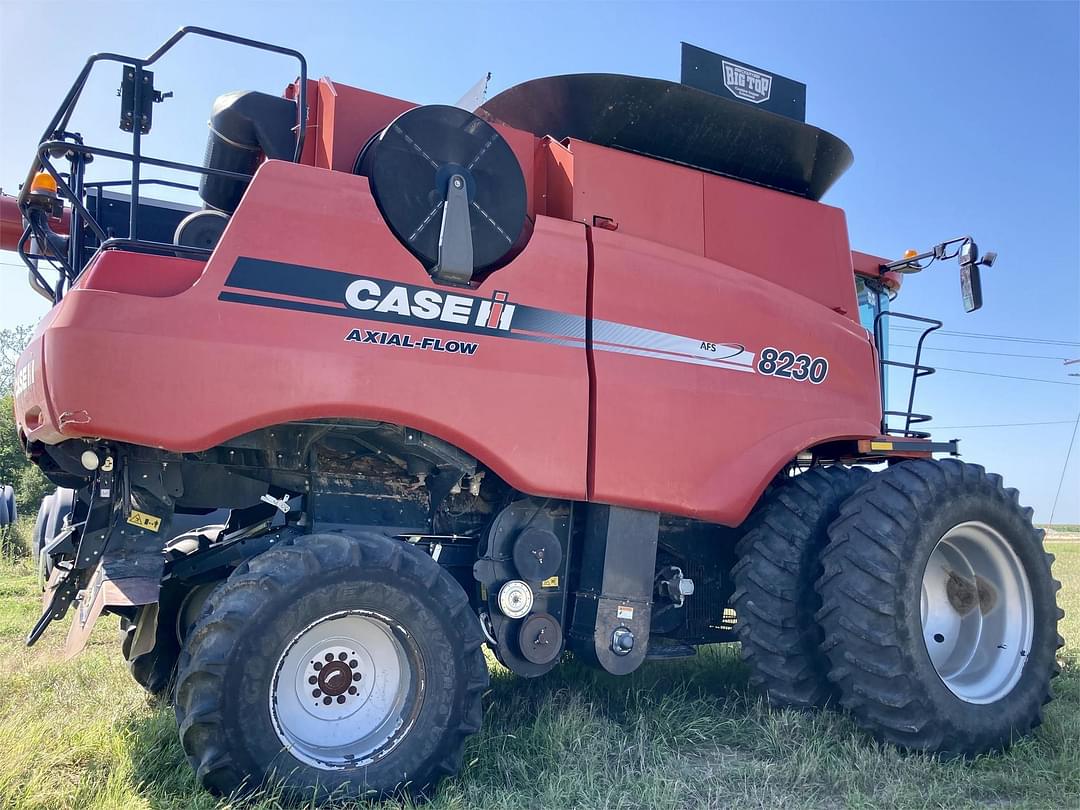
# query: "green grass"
{"type": "Point", "coordinates": [80, 734]}
{"type": "Point", "coordinates": [15, 539]}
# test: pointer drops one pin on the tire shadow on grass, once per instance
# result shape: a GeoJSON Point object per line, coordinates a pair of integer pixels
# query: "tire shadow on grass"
{"type": "Point", "coordinates": [673, 735]}
{"type": "Point", "coordinates": [575, 723]}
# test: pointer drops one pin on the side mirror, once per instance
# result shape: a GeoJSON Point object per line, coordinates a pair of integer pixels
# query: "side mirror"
{"type": "Point", "coordinates": [970, 280]}
{"type": "Point", "coordinates": [971, 287]}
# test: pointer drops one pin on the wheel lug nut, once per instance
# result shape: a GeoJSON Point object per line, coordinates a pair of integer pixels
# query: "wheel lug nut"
{"type": "Point", "coordinates": [352, 690]}
{"type": "Point", "coordinates": [313, 680]}
{"type": "Point", "coordinates": [327, 700]}
{"type": "Point", "coordinates": [341, 699]}
{"type": "Point", "coordinates": [316, 693]}
{"type": "Point", "coordinates": [356, 676]}
{"type": "Point", "coordinates": [329, 657]}
{"type": "Point", "coordinates": [342, 656]}
{"type": "Point", "coordinates": [353, 664]}
{"type": "Point", "coordinates": [318, 665]}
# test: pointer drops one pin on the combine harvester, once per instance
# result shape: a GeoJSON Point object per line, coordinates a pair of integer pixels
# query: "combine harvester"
{"type": "Point", "coordinates": [588, 369]}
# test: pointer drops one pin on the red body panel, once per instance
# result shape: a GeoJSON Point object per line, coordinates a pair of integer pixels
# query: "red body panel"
{"type": "Point", "coordinates": [673, 406]}
{"type": "Point", "coordinates": [798, 244]}
{"type": "Point", "coordinates": [127, 273]}
{"type": "Point", "coordinates": [649, 199]}
{"type": "Point", "coordinates": [704, 441]}
{"type": "Point", "coordinates": [347, 117]}
{"type": "Point", "coordinates": [520, 407]}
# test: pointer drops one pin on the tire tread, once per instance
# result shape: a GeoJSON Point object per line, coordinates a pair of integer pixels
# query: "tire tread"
{"type": "Point", "coordinates": [866, 566]}
{"type": "Point", "coordinates": [203, 661]}
{"type": "Point", "coordinates": [774, 598]}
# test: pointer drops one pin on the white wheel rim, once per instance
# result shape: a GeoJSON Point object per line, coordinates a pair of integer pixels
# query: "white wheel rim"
{"type": "Point", "coordinates": [977, 613]}
{"type": "Point", "coordinates": [344, 692]}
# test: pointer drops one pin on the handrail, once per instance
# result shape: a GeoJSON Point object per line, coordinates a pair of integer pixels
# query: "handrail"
{"type": "Point", "coordinates": [67, 106]}
{"type": "Point", "coordinates": [918, 370]}
{"type": "Point", "coordinates": [110, 153]}
{"type": "Point", "coordinates": [101, 184]}
{"type": "Point", "coordinates": [119, 243]}
{"type": "Point", "coordinates": [37, 281]}
{"type": "Point", "coordinates": [56, 141]}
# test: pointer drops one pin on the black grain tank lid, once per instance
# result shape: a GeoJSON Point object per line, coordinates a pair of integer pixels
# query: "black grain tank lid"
{"type": "Point", "coordinates": [724, 133]}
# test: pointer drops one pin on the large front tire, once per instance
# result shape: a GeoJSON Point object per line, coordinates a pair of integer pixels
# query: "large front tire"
{"type": "Point", "coordinates": [337, 665]}
{"type": "Point", "coordinates": [939, 609]}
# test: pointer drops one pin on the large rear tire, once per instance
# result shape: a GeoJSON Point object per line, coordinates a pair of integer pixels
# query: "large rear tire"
{"type": "Point", "coordinates": [336, 665]}
{"type": "Point", "coordinates": [775, 600]}
{"type": "Point", "coordinates": [939, 609]}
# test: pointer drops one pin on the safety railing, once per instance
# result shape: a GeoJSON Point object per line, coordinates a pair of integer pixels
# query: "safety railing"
{"type": "Point", "coordinates": [67, 256]}
{"type": "Point", "coordinates": [918, 371]}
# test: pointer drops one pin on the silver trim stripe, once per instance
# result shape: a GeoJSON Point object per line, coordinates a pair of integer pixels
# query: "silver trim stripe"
{"type": "Point", "coordinates": [622, 338]}
{"type": "Point", "coordinates": [664, 344]}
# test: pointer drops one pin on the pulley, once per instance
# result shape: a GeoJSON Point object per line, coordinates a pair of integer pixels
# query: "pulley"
{"type": "Point", "coordinates": [540, 639]}
{"type": "Point", "coordinates": [537, 554]}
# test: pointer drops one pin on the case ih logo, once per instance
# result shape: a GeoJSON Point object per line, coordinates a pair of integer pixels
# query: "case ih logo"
{"type": "Point", "coordinates": [368, 295]}
{"type": "Point", "coordinates": [746, 84]}
{"type": "Point", "coordinates": [24, 378]}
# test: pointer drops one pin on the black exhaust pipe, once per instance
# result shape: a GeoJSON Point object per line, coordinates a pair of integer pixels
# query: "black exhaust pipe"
{"type": "Point", "coordinates": [245, 127]}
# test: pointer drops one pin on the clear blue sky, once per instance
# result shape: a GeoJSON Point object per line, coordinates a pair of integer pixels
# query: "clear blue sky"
{"type": "Point", "coordinates": [964, 118]}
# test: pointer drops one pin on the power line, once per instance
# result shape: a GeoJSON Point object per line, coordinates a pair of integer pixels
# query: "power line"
{"type": "Point", "coordinates": [1064, 467]}
{"type": "Point", "coordinates": [1008, 376]}
{"type": "Point", "coordinates": [1002, 424]}
{"type": "Point", "coordinates": [981, 336]}
{"type": "Point", "coordinates": [973, 351]}
{"type": "Point", "coordinates": [987, 336]}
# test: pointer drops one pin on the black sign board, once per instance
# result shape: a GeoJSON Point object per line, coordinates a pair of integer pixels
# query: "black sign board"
{"type": "Point", "coordinates": [730, 78]}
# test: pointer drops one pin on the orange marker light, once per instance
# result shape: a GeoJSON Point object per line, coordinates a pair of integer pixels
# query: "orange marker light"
{"type": "Point", "coordinates": [43, 183]}
{"type": "Point", "coordinates": [910, 253]}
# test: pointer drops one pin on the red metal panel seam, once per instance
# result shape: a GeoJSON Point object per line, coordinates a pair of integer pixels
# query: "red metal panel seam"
{"type": "Point", "coordinates": [590, 458]}
{"type": "Point", "coordinates": [704, 222]}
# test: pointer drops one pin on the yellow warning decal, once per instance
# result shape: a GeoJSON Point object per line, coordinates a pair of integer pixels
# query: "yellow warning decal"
{"type": "Point", "coordinates": [144, 521]}
{"type": "Point", "coordinates": [881, 446]}
{"type": "Point", "coordinates": [550, 582]}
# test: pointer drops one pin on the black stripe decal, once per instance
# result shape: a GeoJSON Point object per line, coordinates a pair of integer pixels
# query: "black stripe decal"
{"type": "Point", "coordinates": [261, 275]}
{"type": "Point", "coordinates": [318, 285]}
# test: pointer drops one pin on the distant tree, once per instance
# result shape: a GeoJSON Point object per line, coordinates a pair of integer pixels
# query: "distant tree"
{"type": "Point", "coordinates": [30, 485]}
{"type": "Point", "coordinates": [12, 342]}
{"type": "Point", "coordinates": [15, 469]}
